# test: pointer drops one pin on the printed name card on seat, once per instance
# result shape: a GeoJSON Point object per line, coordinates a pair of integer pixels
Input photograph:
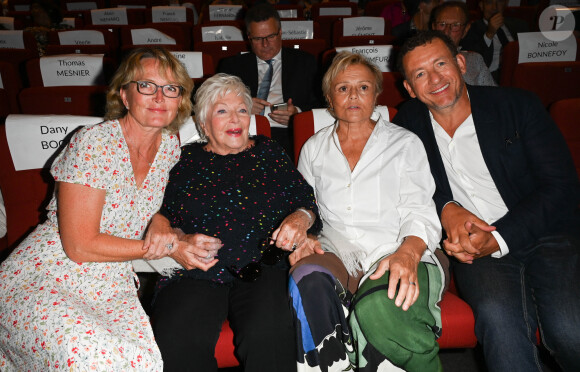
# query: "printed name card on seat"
{"type": "Point", "coordinates": [150, 36]}
{"type": "Point", "coordinates": [161, 14]}
{"type": "Point", "coordinates": [81, 5]}
{"type": "Point", "coordinates": [12, 39]}
{"type": "Point", "coordinates": [70, 70]}
{"type": "Point", "coordinates": [358, 26]}
{"type": "Point", "coordinates": [225, 12]}
{"type": "Point", "coordinates": [221, 33]}
{"type": "Point", "coordinates": [380, 55]}
{"type": "Point", "coordinates": [297, 30]}
{"type": "Point", "coordinates": [198, 64]}
{"type": "Point", "coordinates": [335, 11]}
{"type": "Point", "coordinates": [110, 16]}
{"type": "Point", "coordinates": [81, 37]}
{"type": "Point", "coordinates": [34, 139]}
{"type": "Point", "coordinates": [536, 47]}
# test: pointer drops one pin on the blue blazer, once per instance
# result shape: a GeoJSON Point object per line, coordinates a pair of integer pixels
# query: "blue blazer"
{"type": "Point", "coordinates": [526, 156]}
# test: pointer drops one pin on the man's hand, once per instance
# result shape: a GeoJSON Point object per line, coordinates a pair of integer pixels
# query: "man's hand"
{"type": "Point", "coordinates": [482, 239]}
{"type": "Point", "coordinates": [283, 116]}
{"type": "Point", "coordinates": [494, 24]}
{"type": "Point", "coordinates": [258, 105]}
{"type": "Point", "coordinates": [454, 220]}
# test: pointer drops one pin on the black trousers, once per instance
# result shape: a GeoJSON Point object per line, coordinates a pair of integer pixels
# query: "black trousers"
{"type": "Point", "coordinates": [187, 317]}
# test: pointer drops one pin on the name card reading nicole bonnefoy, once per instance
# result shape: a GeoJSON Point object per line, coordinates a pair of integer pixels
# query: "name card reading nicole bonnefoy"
{"type": "Point", "coordinates": [147, 36]}
{"type": "Point", "coordinates": [111, 16]}
{"type": "Point", "coordinates": [380, 55]}
{"type": "Point", "coordinates": [221, 33]}
{"type": "Point", "coordinates": [224, 12]}
{"type": "Point", "coordinates": [297, 30]}
{"type": "Point", "coordinates": [12, 39]}
{"type": "Point", "coordinates": [72, 69]}
{"type": "Point", "coordinates": [162, 14]}
{"type": "Point", "coordinates": [536, 47]}
{"type": "Point", "coordinates": [34, 139]}
{"type": "Point", "coordinates": [359, 26]}
{"type": "Point", "coordinates": [81, 37]}
{"type": "Point", "coordinates": [193, 62]}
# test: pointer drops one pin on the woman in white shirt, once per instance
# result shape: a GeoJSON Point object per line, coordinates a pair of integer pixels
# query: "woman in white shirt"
{"type": "Point", "coordinates": [374, 190]}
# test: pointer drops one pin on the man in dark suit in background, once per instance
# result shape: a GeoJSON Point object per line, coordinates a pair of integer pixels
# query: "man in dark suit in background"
{"type": "Point", "coordinates": [508, 195]}
{"type": "Point", "coordinates": [490, 34]}
{"type": "Point", "coordinates": [275, 74]}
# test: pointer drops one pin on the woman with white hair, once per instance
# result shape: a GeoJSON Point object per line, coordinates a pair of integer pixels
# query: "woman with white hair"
{"type": "Point", "coordinates": [236, 207]}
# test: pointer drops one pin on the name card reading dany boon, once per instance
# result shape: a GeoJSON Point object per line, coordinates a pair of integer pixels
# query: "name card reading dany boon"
{"type": "Point", "coordinates": [111, 16]}
{"type": "Point", "coordinates": [292, 30]}
{"type": "Point", "coordinates": [380, 55]}
{"type": "Point", "coordinates": [224, 12]}
{"type": "Point", "coordinates": [359, 26]}
{"type": "Point", "coordinates": [72, 69]}
{"type": "Point", "coordinates": [81, 37]}
{"type": "Point", "coordinates": [34, 139]}
{"type": "Point", "coordinates": [535, 47]}
{"type": "Point", "coordinates": [168, 14]}
{"type": "Point", "coordinates": [221, 33]}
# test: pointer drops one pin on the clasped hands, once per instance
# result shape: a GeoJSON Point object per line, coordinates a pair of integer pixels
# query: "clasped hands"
{"type": "Point", "coordinates": [468, 237]}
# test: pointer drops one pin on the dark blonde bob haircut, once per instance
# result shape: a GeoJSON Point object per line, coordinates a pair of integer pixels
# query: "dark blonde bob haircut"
{"type": "Point", "coordinates": [341, 62]}
{"type": "Point", "coordinates": [131, 66]}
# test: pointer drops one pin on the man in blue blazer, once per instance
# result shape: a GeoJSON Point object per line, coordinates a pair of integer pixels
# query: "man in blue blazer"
{"type": "Point", "coordinates": [508, 195]}
{"type": "Point", "coordinates": [294, 76]}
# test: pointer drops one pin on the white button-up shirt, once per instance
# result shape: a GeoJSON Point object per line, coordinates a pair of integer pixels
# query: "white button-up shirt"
{"type": "Point", "coordinates": [387, 197]}
{"type": "Point", "coordinates": [275, 95]}
{"type": "Point", "coordinates": [469, 177]}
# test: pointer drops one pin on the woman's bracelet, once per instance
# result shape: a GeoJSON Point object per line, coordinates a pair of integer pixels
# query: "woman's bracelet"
{"type": "Point", "coordinates": [307, 213]}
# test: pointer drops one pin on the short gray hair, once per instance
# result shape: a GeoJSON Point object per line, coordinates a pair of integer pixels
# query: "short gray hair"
{"type": "Point", "coordinates": [212, 89]}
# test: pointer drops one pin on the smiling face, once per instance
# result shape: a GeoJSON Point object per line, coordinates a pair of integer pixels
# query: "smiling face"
{"type": "Point", "coordinates": [433, 75]}
{"type": "Point", "coordinates": [267, 48]}
{"type": "Point", "coordinates": [154, 111]}
{"type": "Point", "coordinates": [352, 94]}
{"type": "Point", "coordinates": [451, 16]}
{"type": "Point", "coordinates": [227, 125]}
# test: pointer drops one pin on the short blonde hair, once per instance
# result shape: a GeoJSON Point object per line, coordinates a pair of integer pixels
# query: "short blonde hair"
{"type": "Point", "coordinates": [212, 89]}
{"type": "Point", "coordinates": [131, 66]}
{"type": "Point", "coordinates": [341, 62]}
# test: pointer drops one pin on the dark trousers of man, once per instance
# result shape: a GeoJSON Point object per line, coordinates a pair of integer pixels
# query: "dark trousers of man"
{"type": "Point", "coordinates": [511, 299]}
{"type": "Point", "coordinates": [187, 319]}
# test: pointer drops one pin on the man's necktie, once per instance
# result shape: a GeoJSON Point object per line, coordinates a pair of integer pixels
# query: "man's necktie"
{"type": "Point", "coordinates": [264, 88]}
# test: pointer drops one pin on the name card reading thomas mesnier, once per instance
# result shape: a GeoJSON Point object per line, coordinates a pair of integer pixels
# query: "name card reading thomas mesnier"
{"type": "Point", "coordinates": [297, 30]}
{"type": "Point", "coordinates": [221, 33]}
{"type": "Point", "coordinates": [224, 12]}
{"type": "Point", "coordinates": [193, 62]}
{"type": "Point", "coordinates": [161, 14]}
{"type": "Point", "coordinates": [12, 39]}
{"type": "Point", "coordinates": [111, 16]}
{"type": "Point", "coordinates": [34, 139]}
{"type": "Point", "coordinates": [380, 55]}
{"type": "Point", "coordinates": [535, 47]}
{"type": "Point", "coordinates": [72, 69]}
{"type": "Point", "coordinates": [81, 37]}
{"type": "Point", "coordinates": [145, 36]}
{"type": "Point", "coordinates": [359, 26]}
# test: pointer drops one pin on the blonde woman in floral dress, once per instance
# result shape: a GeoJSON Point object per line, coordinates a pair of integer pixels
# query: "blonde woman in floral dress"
{"type": "Point", "coordinates": [68, 296]}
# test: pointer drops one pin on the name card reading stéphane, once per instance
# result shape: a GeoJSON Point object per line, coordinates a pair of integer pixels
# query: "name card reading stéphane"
{"type": "Point", "coordinates": [359, 26]}
{"type": "Point", "coordinates": [81, 37]}
{"type": "Point", "coordinates": [221, 33]}
{"type": "Point", "coordinates": [34, 139]}
{"type": "Point", "coordinates": [536, 47]}
{"type": "Point", "coordinates": [12, 39]}
{"type": "Point", "coordinates": [193, 62]}
{"type": "Point", "coordinates": [110, 16]}
{"type": "Point", "coordinates": [297, 30]}
{"type": "Point", "coordinates": [224, 12]}
{"type": "Point", "coordinates": [162, 14]}
{"type": "Point", "coordinates": [147, 36]}
{"type": "Point", "coordinates": [72, 69]}
{"type": "Point", "coordinates": [380, 55]}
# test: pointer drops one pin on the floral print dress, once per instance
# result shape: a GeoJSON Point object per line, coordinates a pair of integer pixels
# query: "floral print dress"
{"type": "Point", "coordinates": [56, 314]}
